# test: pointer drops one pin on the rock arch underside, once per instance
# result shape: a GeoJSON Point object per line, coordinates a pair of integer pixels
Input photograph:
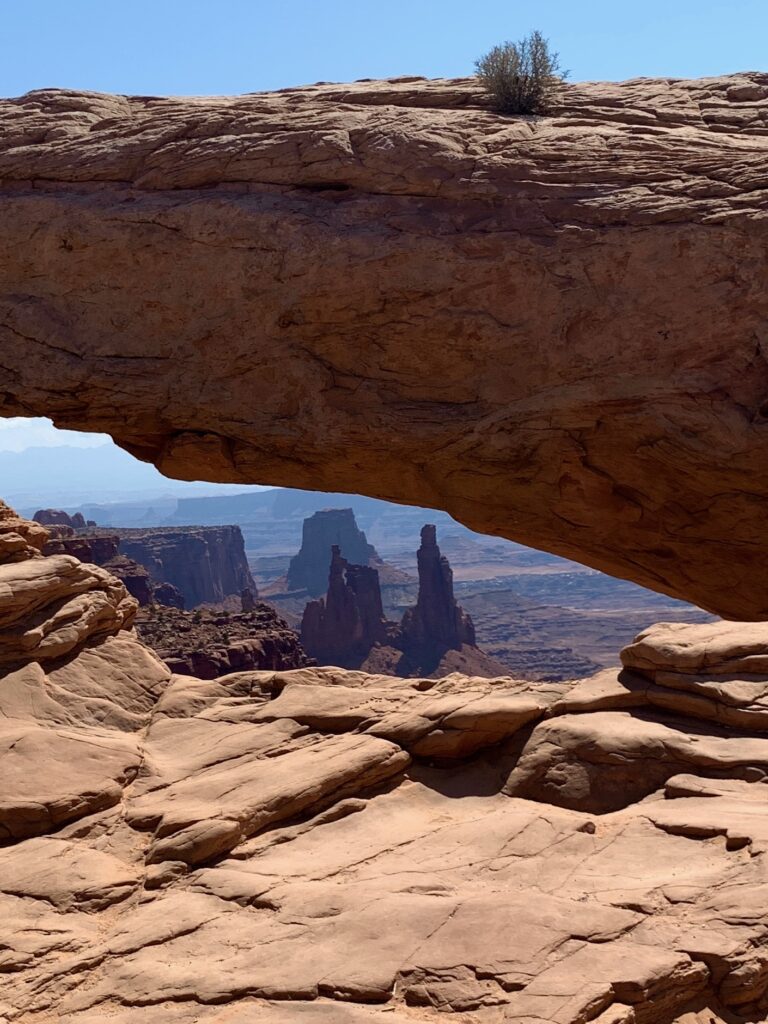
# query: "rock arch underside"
{"type": "Point", "coordinates": [555, 329]}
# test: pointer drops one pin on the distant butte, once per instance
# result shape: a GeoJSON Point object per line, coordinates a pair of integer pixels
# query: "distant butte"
{"type": "Point", "coordinates": [347, 627]}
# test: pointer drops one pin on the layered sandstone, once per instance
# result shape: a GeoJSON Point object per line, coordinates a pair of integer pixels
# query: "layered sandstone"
{"type": "Point", "coordinates": [436, 621]}
{"type": "Point", "coordinates": [103, 550]}
{"type": "Point", "coordinates": [205, 564]}
{"type": "Point", "coordinates": [551, 327]}
{"type": "Point", "coordinates": [342, 627]}
{"type": "Point", "coordinates": [52, 606]}
{"type": "Point", "coordinates": [345, 848]}
{"type": "Point", "coordinates": [348, 627]}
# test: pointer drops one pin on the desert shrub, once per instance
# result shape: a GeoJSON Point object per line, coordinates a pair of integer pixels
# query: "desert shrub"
{"type": "Point", "coordinates": [521, 77]}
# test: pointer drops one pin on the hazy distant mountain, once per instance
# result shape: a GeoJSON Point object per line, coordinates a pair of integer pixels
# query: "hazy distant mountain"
{"type": "Point", "coordinates": [63, 475]}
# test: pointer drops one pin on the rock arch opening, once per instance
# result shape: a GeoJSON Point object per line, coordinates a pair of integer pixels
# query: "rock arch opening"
{"type": "Point", "coordinates": [447, 326]}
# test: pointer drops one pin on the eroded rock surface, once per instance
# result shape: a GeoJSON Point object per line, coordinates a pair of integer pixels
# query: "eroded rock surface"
{"type": "Point", "coordinates": [203, 563]}
{"type": "Point", "coordinates": [208, 643]}
{"type": "Point", "coordinates": [102, 550]}
{"type": "Point", "coordinates": [321, 532]}
{"type": "Point", "coordinates": [347, 627]}
{"type": "Point", "coordinates": [337, 847]}
{"type": "Point", "coordinates": [554, 328]}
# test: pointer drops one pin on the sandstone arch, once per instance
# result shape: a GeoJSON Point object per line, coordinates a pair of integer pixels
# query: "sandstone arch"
{"type": "Point", "coordinates": [555, 329]}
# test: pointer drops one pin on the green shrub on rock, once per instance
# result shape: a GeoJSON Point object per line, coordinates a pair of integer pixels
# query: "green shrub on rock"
{"type": "Point", "coordinates": [521, 77]}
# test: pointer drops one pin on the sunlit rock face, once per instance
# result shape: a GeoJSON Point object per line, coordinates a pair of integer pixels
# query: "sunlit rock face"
{"type": "Point", "coordinates": [341, 847]}
{"type": "Point", "coordinates": [554, 328]}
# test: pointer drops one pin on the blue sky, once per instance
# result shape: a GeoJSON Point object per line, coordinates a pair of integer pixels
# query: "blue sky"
{"type": "Point", "coordinates": [231, 46]}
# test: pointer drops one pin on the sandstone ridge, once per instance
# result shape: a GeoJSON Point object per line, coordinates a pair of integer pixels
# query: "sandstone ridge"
{"type": "Point", "coordinates": [326, 846]}
{"type": "Point", "coordinates": [553, 328]}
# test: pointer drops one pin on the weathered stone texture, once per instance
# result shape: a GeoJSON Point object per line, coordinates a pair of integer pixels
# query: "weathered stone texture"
{"type": "Point", "coordinates": [554, 328]}
{"type": "Point", "coordinates": [436, 620]}
{"type": "Point", "coordinates": [203, 563]}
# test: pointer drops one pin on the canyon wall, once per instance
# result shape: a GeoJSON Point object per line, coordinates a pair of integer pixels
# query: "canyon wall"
{"type": "Point", "coordinates": [205, 564]}
{"type": "Point", "coordinates": [103, 550]}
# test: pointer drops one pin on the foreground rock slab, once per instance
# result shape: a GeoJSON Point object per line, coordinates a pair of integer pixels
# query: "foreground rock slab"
{"type": "Point", "coordinates": [335, 847]}
{"type": "Point", "coordinates": [554, 328]}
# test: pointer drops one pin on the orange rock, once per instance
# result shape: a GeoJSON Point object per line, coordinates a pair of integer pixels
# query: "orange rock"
{"type": "Point", "coordinates": [554, 328]}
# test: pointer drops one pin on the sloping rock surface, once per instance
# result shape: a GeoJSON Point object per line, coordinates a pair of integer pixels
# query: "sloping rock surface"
{"type": "Point", "coordinates": [554, 328]}
{"type": "Point", "coordinates": [335, 847]}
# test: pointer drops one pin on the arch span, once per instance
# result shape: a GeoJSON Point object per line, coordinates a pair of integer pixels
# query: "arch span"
{"type": "Point", "coordinates": [553, 328]}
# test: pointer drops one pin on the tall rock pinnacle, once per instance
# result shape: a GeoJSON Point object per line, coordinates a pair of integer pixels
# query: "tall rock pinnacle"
{"type": "Point", "coordinates": [436, 620]}
{"type": "Point", "coordinates": [342, 627]}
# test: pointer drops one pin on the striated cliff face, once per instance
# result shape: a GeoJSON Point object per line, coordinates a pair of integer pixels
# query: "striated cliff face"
{"type": "Point", "coordinates": [341, 628]}
{"type": "Point", "coordinates": [553, 328]}
{"type": "Point", "coordinates": [205, 564]}
{"type": "Point", "coordinates": [103, 550]}
{"type": "Point", "coordinates": [321, 532]}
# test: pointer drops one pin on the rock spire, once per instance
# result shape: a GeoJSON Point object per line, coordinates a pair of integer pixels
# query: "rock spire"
{"type": "Point", "coordinates": [436, 621]}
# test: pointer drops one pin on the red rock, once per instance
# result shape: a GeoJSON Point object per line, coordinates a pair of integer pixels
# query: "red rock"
{"type": "Point", "coordinates": [341, 628]}
{"type": "Point", "coordinates": [436, 621]}
{"type": "Point", "coordinates": [57, 517]}
{"type": "Point", "coordinates": [208, 644]}
{"type": "Point", "coordinates": [550, 329]}
{"type": "Point", "coordinates": [348, 626]}
{"type": "Point", "coordinates": [205, 564]}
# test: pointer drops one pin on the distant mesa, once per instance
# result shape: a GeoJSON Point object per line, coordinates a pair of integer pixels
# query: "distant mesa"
{"type": "Point", "coordinates": [348, 627]}
{"type": "Point", "coordinates": [206, 564]}
{"type": "Point", "coordinates": [177, 566]}
{"type": "Point", "coordinates": [103, 550]}
{"type": "Point", "coordinates": [335, 527]}
{"type": "Point", "coordinates": [209, 564]}
{"type": "Point", "coordinates": [57, 517]}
